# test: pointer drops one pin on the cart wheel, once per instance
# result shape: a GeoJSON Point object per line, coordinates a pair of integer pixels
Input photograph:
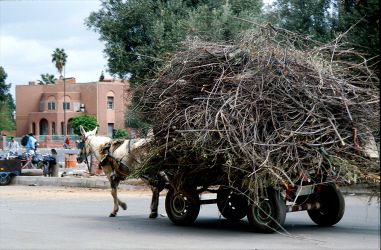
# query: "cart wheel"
{"type": "Point", "coordinates": [332, 206]}
{"type": "Point", "coordinates": [5, 179]}
{"type": "Point", "coordinates": [232, 205]}
{"type": "Point", "coordinates": [269, 214]}
{"type": "Point", "coordinates": [182, 209]}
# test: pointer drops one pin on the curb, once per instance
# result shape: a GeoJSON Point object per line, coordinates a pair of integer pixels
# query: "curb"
{"type": "Point", "coordinates": [89, 182]}
{"type": "Point", "coordinates": [361, 189]}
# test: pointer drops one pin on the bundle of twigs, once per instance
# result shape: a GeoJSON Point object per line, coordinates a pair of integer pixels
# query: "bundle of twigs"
{"type": "Point", "coordinates": [269, 110]}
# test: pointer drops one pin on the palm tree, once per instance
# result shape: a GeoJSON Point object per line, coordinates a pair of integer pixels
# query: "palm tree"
{"type": "Point", "coordinates": [59, 58]}
{"type": "Point", "coordinates": [47, 79]}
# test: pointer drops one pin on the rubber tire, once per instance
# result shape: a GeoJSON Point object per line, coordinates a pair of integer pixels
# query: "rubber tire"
{"type": "Point", "coordinates": [5, 179]}
{"type": "Point", "coordinates": [232, 205]}
{"type": "Point", "coordinates": [182, 210]}
{"type": "Point", "coordinates": [273, 213]}
{"type": "Point", "coordinates": [332, 206]}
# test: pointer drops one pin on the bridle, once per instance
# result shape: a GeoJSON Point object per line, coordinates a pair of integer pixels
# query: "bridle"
{"type": "Point", "coordinates": [82, 146]}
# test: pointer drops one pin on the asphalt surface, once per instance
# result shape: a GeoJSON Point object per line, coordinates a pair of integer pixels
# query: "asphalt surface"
{"type": "Point", "coordinates": [33, 217]}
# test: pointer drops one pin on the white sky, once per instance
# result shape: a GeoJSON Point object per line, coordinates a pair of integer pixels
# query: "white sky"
{"type": "Point", "coordinates": [30, 30]}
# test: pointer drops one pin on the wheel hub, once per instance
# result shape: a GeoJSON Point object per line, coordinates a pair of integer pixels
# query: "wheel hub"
{"type": "Point", "coordinates": [179, 204]}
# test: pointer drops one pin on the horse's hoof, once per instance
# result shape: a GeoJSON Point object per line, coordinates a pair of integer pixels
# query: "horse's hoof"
{"type": "Point", "coordinates": [124, 206]}
{"type": "Point", "coordinates": [112, 215]}
{"type": "Point", "coordinates": [153, 215]}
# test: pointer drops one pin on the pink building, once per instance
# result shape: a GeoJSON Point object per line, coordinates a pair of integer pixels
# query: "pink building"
{"type": "Point", "coordinates": [40, 108]}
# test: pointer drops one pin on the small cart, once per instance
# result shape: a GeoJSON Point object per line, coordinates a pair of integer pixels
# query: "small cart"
{"type": "Point", "coordinates": [320, 197]}
{"type": "Point", "coordinates": [8, 169]}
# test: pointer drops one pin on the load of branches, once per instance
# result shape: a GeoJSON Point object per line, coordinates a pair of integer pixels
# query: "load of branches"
{"type": "Point", "coordinates": [275, 109]}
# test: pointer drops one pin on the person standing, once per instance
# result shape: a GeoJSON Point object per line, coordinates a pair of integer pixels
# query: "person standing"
{"type": "Point", "coordinates": [13, 146]}
{"type": "Point", "coordinates": [32, 144]}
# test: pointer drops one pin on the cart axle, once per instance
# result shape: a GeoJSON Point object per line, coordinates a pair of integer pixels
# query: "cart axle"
{"type": "Point", "coordinates": [305, 206]}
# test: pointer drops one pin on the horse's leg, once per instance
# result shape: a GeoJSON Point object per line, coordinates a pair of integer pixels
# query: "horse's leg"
{"type": "Point", "coordinates": [122, 204]}
{"type": "Point", "coordinates": [114, 183]}
{"type": "Point", "coordinates": [155, 198]}
{"type": "Point", "coordinates": [154, 202]}
{"type": "Point", "coordinates": [156, 187]}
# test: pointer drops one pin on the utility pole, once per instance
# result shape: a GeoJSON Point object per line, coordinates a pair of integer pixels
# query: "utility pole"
{"type": "Point", "coordinates": [64, 105]}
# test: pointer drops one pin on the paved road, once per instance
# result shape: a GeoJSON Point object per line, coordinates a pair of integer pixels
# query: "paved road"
{"type": "Point", "coordinates": [73, 218]}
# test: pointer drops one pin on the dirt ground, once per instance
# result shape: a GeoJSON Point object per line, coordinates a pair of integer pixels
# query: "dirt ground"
{"type": "Point", "coordinates": [43, 192]}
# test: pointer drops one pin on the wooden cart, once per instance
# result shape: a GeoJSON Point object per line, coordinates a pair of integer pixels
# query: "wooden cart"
{"type": "Point", "coordinates": [320, 197]}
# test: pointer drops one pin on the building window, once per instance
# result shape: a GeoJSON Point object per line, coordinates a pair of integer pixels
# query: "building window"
{"type": "Point", "coordinates": [110, 102]}
{"type": "Point", "coordinates": [66, 105]}
{"type": "Point", "coordinates": [51, 105]}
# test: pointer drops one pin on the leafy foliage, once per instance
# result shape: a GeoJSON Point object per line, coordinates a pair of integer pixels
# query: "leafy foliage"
{"type": "Point", "coordinates": [7, 106]}
{"type": "Point", "coordinates": [4, 88]}
{"type": "Point", "coordinates": [121, 133]}
{"type": "Point", "coordinates": [325, 20]}
{"type": "Point", "coordinates": [306, 17]}
{"type": "Point", "coordinates": [364, 16]}
{"type": "Point", "coordinates": [88, 122]}
{"type": "Point", "coordinates": [141, 34]}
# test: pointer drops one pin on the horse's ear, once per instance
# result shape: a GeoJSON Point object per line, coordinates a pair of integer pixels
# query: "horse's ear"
{"type": "Point", "coordinates": [94, 132]}
{"type": "Point", "coordinates": [83, 132]}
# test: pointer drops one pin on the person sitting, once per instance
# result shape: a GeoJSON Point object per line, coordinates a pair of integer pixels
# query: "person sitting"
{"type": "Point", "coordinates": [67, 142]}
{"type": "Point", "coordinates": [13, 146]}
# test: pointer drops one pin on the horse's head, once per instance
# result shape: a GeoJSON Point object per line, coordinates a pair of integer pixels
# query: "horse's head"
{"type": "Point", "coordinates": [83, 145]}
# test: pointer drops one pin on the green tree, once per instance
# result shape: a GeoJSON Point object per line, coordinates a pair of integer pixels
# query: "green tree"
{"type": "Point", "coordinates": [47, 79]}
{"type": "Point", "coordinates": [363, 20]}
{"type": "Point", "coordinates": [305, 17]}
{"type": "Point", "coordinates": [7, 106]}
{"type": "Point", "coordinates": [325, 20]}
{"type": "Point", "coordinates": [121, 134]}
{"type": "Point", "coordinates": [4, 88]}
{"type": "Point", "coordinates": [88, 122]}
{"type": "Point", "coordinates": [139, 35]}
{"type": "Point", "coordinates": [59, 59]}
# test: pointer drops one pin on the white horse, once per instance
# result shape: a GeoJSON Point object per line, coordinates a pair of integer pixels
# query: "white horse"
{"type": "Point", "coordinates": [117, 158]}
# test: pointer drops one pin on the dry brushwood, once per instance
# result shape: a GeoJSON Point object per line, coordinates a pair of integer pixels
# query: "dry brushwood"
{"type": "Point", "coordinates": [267, 111]}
